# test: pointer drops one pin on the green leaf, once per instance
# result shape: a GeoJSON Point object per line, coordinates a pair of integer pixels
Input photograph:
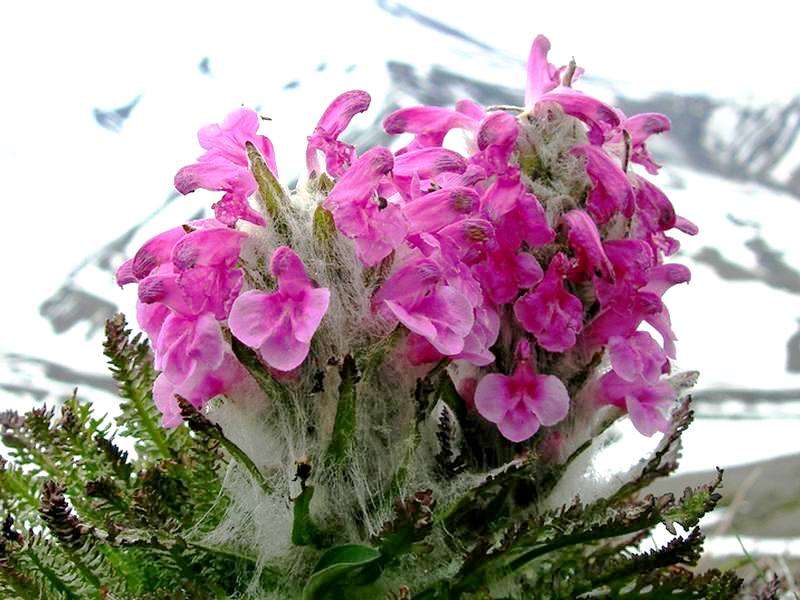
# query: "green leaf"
{"type": "Point", "coordinates": [341, 568]}
{"type": "Point", "coordinates": [131, 364]}
{"type": "Point", "coordinates": [272, 193]}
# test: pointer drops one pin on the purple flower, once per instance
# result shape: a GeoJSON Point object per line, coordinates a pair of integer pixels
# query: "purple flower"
{"type": "Point", "coordinates": [519, 404]}
{"type": "Point", "coordinates": [333, 122]}
{"type": "Point", "coordinates": [549, 311]}
{"type": "Point", "coordinates": [280, 324]}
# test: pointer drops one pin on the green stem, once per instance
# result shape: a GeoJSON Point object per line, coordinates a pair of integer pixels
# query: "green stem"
{"type": "Point", "coordinates": [155, 432]}
{"type": "Point", "coordinates": [304, 531]}
{"type": "Point", "coordinates": [239, 455]}
{"type": "Point", "coordinates": [198, 422]}
{"type": "Point", "coordinates": [344, 425]}
{"type": "Point", "coordinates": [274, 390]}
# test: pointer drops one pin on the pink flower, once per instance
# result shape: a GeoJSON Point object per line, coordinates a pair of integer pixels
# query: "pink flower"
{"type": "Point", "coordinates": [637, 356]}
{"type": "Point", "coordinates": [584, 239]}
{"type": "Point", "coordinates": [519, 404]}
{"type": "Point", "coordinates": [640, 127]}
{"type": "Point", "coordinates": [422, 297]}
{"type": "Point", "coordinates": [333, 122]}
{"type": "Point", "coordinates": [612, 191]}
{"type": "Point", "coordinates": [544, 85]}
{"type": "Point", "coordinates": [505, 271]}
{"type": "Point", "coordinates": [202, 276]}
{"type": "Point", "coordinates": [188, 348]}
{"type": "Point", "coordinates": [228, 374]}
{"type": "Point", "coordinates": [542, 76]}
{"type": "Point", "coordinates": [648, 404]}
{"type": "Point", "coordinates": [497, 139]}
{"type": "Point", "coordinates": [429, 124]}
{"type": "Point", "coordinates": [549, 311]}
{"type": "Point", "coordinates": [281, 324]}
{"type": "Point", "coordinates": [375, 225]}
{"type": "Point", "coordinates": [516, 214]}
{"type": "Point", "coordinates": [224, 166]}
{"type": "Point", "coordinates": [424, 165]}
{"type": "Point", "coordinates": [234, 206]}
{"type": "Point", "coordinates": [431, 212]}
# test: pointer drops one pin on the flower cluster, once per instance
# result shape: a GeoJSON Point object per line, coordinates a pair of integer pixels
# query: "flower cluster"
{"type": "Point", "coordinates": [527, 257]}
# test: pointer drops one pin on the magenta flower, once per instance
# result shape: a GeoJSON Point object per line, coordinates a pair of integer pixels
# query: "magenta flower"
{"type": "Point", "coordinates": [375, 225]}
{"type": "Point", "coordinates": [424, 165]}
{"type": "Point", "coordinates": [429, 124]}
{"type": "Point", "coordinates": [544, 85]}
{"type": "Point", "coordinates": [202, 276]}
{"type": "Point", "coordinates": [154, 253]}
{"type": "Point", "coordinates": [335, 119]}
{"type": "Point", "coordinates": [433, 211]}
{"type": "Point", "coordinates": [234, 206]}
{"type": "Point", "coordinates": [497, 139]}
{"type": "Point", "coordinates": [637, 356]}
{"type": "Point", "coordinates": [640, 127]}
{"type": "Point", "coordinates": [280, 324]}
{"type": "Point", "coordinates": [612, 192]}
{"type": "Point", "coordinates": [648, 404]}
{"type": "Point", "coordinates": [421, 296]}
{"type": "Point", "coordinates": [542, 76]}
{"type": "Point", "coordinates": [224, 166]}
{"type": "Point", "coordinates": [188, 347]}
{"type": "Point", "coordinates": [519, 404]}
{"type": "Point", "coordinates": [584, 239]}
{"type": "Point", "coordinates": [549, 311]}
{"type": "Point", "coordinates": [516, 214]}
{"type": "Point", "coordinates": [505, 271]}
{"type": "Point", "coordinates": [227, 375]}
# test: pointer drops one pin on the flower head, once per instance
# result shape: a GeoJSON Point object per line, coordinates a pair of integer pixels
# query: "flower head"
{"type": "Point", "coordinates": [280, 324]}
{"type": "Point", "coordinates": [520, 403]}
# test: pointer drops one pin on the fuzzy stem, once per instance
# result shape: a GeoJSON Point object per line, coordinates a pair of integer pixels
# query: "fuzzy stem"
{"type": "Point", "coordinates": [271, 191]}
{"type": "Point", "coordinates": [199, 422]}
{"type": "Point", "coordinates": [344, 426]}
{"type": "Point", "coordinates": [274, 390]}
{"type": "Point", "coordinates": [304, 531]}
